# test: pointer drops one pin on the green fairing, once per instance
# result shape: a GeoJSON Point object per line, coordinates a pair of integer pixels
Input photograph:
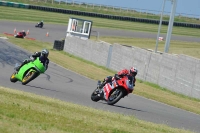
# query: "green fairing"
{"type": "Point", "coordinates": [31, 66]}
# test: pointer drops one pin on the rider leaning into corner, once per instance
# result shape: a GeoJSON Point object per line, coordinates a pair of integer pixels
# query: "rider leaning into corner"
{"type": "Point", "coordinates": [41, 23]}
{"type": "Point", "coordinates": [43, 57]}
{"type": "Point", "coordinates": [131, 74]}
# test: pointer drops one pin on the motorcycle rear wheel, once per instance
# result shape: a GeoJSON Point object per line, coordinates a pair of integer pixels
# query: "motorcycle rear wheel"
{"type": "Point", "coordinates": [28, 77]}
{"type": "Point", "coordinates": [115, 96]}
{"type": "Point", "coordinates": [12, 78]}
{"type": "Point", "coordinates": [94, 96]}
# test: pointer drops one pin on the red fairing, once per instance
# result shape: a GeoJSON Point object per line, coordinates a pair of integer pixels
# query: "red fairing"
{"type": "Point", "coordinates": [107, 88]}
{"type": "Point", "coordinates": [20, 34]}
{"type": "Point", "coordinates": [117, 83]}
{"type": "Point", "coordinates": [123, 83]}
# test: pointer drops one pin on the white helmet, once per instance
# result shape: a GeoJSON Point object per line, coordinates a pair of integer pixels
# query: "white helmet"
{"type": "Point", "coordinates": [133, 71]}
{"type": "Point", "coordinates": [45, 53]}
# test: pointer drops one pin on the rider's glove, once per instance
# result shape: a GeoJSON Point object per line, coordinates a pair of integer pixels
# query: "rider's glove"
{"type": "Point", "coordinates": [117, 76]}
{"type": "Point", "coordinates": [31, 58]}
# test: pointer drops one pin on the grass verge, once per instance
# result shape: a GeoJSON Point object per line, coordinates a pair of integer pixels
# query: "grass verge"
{"type": "Point", "coordinates": [96, 72]}
{"type": "Point", "coordinates": [27, 112]}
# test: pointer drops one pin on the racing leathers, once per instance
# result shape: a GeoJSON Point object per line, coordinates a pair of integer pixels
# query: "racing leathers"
{"type": "Point", "coordinates": [42, 58]}
{"type": "Point", "coordinates": [40, 23]}
{"type": "Point", "coordinates": [119, 75]}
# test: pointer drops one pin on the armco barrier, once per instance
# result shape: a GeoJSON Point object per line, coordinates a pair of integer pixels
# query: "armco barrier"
{"type": "Point", "coordinates": [14, 4]}
{"type": "Point", "coordinates": [92, 14]}
{"type": "Point", "coordinates": [133, 19]}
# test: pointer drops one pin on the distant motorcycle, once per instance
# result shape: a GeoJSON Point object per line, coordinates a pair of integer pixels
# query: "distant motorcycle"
{"type": "Point", "coordinates": [114, 91]}
{"type": "Point", "coordinates": [39, 25]}
{"type": "Point", "coordinates": [28, 72]}
{"type": "Point", "coordinates": [20, 35]}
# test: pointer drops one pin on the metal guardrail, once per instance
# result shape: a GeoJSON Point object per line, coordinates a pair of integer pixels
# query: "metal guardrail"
{"type": "Point", "coordinates": [14, 4]}
{"type": "Point", "coordinates": [134, 11]}
{"type": "Point", "coordinates": [115, 17]}
{"type": "Point", "coordinates": [92, 14]}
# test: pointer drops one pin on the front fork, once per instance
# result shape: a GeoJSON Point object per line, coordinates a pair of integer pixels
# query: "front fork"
{"type": "Point", "coordinates": [100, 89]}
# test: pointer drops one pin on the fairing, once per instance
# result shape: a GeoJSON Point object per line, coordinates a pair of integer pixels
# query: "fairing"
{"type": "Point", "coordinates": [31, 66]}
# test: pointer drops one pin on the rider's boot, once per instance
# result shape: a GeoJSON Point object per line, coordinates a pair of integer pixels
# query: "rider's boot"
{"type": "Point", "coordinates": [101, 86]}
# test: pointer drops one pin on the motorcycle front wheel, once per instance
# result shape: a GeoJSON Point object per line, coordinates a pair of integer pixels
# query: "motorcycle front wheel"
{"type": "Point", "coordinates": [12, 78]}
{"type": "Point", "coordinates": [115, 96]}
{"type": "Point", "coordinates": [94, 95]}
{"type": "Point", "coordinates": [28, 77]}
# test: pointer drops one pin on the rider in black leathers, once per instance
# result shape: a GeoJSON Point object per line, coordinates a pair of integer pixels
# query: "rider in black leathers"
{"type": "Point", "coordinates": [40, 24]}
{"type": "Point", "coordinates": [43, 56]}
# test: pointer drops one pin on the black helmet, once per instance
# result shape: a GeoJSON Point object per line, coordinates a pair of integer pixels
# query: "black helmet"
{"type": "Point", "coordinates": [45, 53]}
{"type": "Point", "coordinates": [133, 71]}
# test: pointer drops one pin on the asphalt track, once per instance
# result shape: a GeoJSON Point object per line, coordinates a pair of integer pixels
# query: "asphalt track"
{"type": "Point", "coordinates": [57, 32]}
{"type": "Point", "coordinates": [68, 86]}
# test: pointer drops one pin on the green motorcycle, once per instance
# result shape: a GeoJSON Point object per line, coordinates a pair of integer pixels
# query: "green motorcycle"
{"type": "Point", "coordinates": [28, 72]}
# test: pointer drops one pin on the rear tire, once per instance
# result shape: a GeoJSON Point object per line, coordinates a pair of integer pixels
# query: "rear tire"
{"type": "Point", "coordinates": [12, 78]}
{"type": "Point", "coordinates": [28, 77]}
{"type": "Point", "coordinates": [117, 95]}
{"type": "Point", "coordinates": [94, 96]}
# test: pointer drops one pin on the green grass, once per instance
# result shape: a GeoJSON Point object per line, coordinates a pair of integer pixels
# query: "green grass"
{"type": "Point", "coordinates": [9, 13]}
{"type": "Point", "coordinates": [20, 112]}
{"type": "Point", "coordinates": [30, 113]}
{"type": "Point", "coordinates": [96, 72]}
{"type": "Point", "coordinates": [106, 10]}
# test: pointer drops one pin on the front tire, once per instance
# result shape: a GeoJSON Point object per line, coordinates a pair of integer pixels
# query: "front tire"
{"type": "Point", "coordinates": [115, 96]}
{"type": "Point", "coordinates": [28, 77]}
{"type": "Point", "coordinates": [12, 78]}
{"type": "Point", "coordinates": [94, 96]}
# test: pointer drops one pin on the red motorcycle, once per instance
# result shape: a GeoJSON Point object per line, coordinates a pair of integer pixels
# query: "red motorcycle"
{"type": "Point", "coordinates": [20, 35]}
{"type": "Point", "coordinates": [114, 91]}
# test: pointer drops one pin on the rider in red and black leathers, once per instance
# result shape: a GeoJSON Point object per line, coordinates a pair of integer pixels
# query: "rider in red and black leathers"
{"type": "Point", "coordinates": [131, 75]}
{"type": "Point", "coordinates": [43, 57]}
